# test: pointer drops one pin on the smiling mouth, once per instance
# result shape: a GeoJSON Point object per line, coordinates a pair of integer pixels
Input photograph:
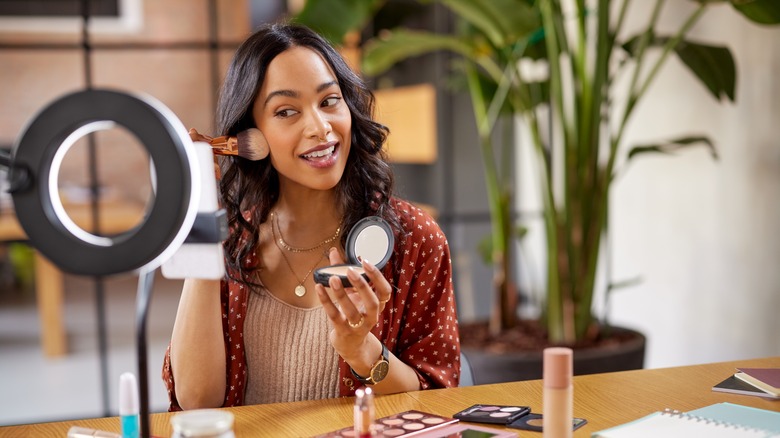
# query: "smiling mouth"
{"type": "Point", "coordinates": [320, 154]}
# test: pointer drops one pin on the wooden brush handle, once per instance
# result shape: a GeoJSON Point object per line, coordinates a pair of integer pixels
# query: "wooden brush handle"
{"type": "Point", "coordinates": [224, 145]}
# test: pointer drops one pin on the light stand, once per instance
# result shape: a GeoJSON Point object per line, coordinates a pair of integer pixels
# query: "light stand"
{"type": "Point", "coordinates": [182, 231]}
{"type": "Point", "coordinates": [143, 301]}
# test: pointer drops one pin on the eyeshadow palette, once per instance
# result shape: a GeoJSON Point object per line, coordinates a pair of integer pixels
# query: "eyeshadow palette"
{"type": "Point", "coordinates": [534, 422]}
{"type": "Point", "coordinates": [493, 414]}
{"type": "Point", "coordinates": [404, 424]}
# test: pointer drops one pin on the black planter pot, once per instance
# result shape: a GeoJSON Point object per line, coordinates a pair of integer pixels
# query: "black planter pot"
{"type": "Point", "coordinates": [489, 367]}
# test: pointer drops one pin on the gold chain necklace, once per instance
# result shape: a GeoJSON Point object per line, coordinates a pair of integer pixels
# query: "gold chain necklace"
{"type": "Point", "coordinates": [285, 245]}
{"type": "Point", "coordinates": [300, 290]}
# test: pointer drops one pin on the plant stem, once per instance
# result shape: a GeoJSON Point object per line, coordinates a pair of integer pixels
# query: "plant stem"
{"type": "Point", "coordinates": [500, 316]}
{"type": "Point", "coordinates": [644, 42]}
{"type": "Point", "coordinates": [621, 19]}
{"type": "Point", "coordinates": [554, 306]}
{"type": "Point", "coordinates": [634, 98]}
{"type": "Point", "coordinates": [670, 46]}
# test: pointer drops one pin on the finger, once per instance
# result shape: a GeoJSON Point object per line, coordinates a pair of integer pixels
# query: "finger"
{"type": "Point", "coordinates": [349, 309]}
{"type": "Point", "coordinates": [194, 134]}
{"type": "Point", "coordinates": [334, 256]}
{"type": "Point", "coordinates": [328, 305]}
{"type": "Point", "coordinates": [197, 136]}
{"type": "Point", "coordinates": [364, 291]}
{"type": "Point", "coordinates": [382, 288]}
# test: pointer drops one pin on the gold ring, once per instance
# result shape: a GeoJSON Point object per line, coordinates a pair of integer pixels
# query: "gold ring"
{"type": "Point", "coordinates": [357, 324]}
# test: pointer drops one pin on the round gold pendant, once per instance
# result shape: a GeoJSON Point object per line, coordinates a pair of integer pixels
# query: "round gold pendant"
{"type": "Point", "coordinates": [300, 290]}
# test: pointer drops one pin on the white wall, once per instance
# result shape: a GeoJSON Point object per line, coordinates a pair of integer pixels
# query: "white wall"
{"type": "Point", "coordinates": [702, 234]}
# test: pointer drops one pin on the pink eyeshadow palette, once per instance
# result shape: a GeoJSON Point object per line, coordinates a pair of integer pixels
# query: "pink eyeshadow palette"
{"type": "Point", "coordinates": [404, 424]}
{"type": "Point", "coordinates": [493, 414]}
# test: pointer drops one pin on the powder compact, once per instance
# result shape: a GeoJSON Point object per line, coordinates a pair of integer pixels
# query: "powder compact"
{"type": "Point", "coordinates": [371, 239]}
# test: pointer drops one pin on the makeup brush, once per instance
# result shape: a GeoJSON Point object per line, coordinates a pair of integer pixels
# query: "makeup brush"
{"type": "Point", "coordinates": [249, 144]}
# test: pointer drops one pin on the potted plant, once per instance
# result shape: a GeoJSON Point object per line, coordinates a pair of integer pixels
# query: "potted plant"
{"type": "Point", "coordinates": [579, 53]}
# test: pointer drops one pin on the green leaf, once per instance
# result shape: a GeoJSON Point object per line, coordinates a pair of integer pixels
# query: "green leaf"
{"type": "Point", "coordinates": [334, 18]}
{"type": "Point", "coordinates": [714, 66]}
{"type": "Point", "coordinates": [673, 145]}
{"type": "Point", "coordinates": [501, 21]}
{"type": "Point", "coordinates": [759, 11]}
{"type": "Point", "coordinates": [630, 282]}
{"type": "Point", "coordinates": [381, 54]}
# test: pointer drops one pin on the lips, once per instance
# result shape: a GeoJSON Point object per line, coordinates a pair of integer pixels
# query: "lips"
{"type": "Point", "coordinates": [322, 156]}
{"type": "Point", "coordinates": [320, 153]}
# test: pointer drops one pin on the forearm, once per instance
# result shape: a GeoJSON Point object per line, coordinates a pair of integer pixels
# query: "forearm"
{"type": "Point", "coordinates": [400, 377]}
{"type": "Point", "coordinates": [198, 346]}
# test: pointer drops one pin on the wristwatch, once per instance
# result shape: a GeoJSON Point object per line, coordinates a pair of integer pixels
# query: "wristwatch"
{"type": "Point", "coordinates": [378, 370]}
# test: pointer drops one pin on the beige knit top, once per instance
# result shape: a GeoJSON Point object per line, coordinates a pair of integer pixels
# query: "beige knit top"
{"type": "Point", "coordinates": [288, 354]}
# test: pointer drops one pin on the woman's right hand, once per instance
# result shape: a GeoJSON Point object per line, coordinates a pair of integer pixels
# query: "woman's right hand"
{"type": "Point", "coordinates": [197, 136]}
{"type": "Point", "coordinates": [354, 311]}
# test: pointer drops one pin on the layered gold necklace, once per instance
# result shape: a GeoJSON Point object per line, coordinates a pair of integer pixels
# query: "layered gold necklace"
{"type": "Point", "coordinates": [300, 290]}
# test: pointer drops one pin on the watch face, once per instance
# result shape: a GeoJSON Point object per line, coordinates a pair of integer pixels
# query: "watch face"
{"type": "Point", "coordinates": [380, 371]}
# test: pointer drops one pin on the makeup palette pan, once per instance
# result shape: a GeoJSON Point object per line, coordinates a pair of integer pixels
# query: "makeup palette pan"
{"type": "Point", "coordinates": [371, 239]}
{"type": "Point", "coordinates": [494, 414]}
{"type": "Point", "coordinates": [404, 424]}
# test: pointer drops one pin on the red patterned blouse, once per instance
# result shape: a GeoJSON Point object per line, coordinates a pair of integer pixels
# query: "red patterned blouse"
{"type": "Point", "coordinates": [419, 323]}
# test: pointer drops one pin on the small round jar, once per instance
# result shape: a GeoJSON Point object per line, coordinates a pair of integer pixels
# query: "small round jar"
{"type": "Point", "coordinates": [203, 423]}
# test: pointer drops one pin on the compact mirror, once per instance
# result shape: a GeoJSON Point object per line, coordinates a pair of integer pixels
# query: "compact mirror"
{"type": "Point", "coordinates": [371, 239]}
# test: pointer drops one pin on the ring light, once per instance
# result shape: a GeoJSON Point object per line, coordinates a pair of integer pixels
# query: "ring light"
{"type": "Point", "coordinates": [175, 171]}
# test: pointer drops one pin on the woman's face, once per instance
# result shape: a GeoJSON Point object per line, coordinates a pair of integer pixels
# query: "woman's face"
{"type": "Point", "coordinates": [302, 113]}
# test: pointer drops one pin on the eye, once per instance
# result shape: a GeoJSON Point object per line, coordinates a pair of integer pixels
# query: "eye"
{"type": "Point", "coordinates": [331, 101]}
{"type": "Point", "coordinates": [283, 114]}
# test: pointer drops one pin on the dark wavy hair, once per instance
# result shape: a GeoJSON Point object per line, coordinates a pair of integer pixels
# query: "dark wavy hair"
{"type": "Point", "coordinates": [252, 187]}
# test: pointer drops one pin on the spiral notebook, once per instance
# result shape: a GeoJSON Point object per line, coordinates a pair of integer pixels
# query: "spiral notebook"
{"type": "Point", "coordinates": [700, 423]}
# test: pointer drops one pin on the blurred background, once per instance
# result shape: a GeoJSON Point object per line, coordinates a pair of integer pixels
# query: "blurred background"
{"type": "Point", "coordinates": [697, 238]}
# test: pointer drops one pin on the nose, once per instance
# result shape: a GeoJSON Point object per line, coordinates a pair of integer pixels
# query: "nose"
{"type": "Point", "coordinates": [317, 125]}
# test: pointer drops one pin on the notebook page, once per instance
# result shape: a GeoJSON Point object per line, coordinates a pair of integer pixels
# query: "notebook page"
{"type": "Point", "coordinates": [670, 424]}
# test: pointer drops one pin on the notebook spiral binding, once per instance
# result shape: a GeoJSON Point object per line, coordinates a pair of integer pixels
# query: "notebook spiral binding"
{"type": "Point", "coordinates": [724, 424]}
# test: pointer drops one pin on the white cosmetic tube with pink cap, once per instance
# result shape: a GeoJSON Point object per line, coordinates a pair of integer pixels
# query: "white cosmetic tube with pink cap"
{"type": "Point", "coordinates": [558, 398]}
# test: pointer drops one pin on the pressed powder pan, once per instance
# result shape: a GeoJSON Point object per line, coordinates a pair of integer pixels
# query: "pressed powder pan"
{"type": "Point", "coordinates": [371, 239]}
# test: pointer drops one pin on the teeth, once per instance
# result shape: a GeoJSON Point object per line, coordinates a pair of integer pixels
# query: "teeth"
{"type": "Point", "coordinates": [322, 153]}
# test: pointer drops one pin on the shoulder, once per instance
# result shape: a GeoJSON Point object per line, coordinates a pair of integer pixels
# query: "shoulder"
{"type": "Point", "coordinates": [414, 220]}
{"type": "Point", "coordinates": [420, 234]}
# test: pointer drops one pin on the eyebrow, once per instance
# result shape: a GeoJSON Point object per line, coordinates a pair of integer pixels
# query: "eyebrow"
{"type": "Point", "coordinates": [295, 94]}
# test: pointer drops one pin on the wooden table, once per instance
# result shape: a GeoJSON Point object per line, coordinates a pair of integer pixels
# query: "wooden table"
{"type": "Point", "coordinates": [115, 217]}
{"type": "Point", "coordinates": [605, 400]}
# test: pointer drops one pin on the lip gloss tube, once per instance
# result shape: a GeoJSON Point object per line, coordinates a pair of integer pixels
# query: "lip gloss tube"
{"type": "Point", "coordinates": [364, 412]}
{"type": "Point", "coordinates": [558, 394]}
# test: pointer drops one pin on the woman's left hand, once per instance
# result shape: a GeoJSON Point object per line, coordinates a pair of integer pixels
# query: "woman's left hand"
{"type": "Point", "coordinates": [354, 311]}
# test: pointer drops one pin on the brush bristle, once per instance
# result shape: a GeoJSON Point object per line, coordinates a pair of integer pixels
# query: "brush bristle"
{"type": "Point", "coordinates": [252, 144]}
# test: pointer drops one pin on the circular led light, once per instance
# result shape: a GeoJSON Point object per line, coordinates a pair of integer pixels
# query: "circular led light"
{"type": "Point", "coordinates": [167, 222]}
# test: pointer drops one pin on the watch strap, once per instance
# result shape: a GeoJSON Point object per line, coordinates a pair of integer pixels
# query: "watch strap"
{"type": "Point", "coordinates": [385, 357]}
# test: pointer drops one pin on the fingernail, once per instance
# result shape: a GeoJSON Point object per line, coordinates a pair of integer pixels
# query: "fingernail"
{"type": "Point", "coordinates": [352, 273]}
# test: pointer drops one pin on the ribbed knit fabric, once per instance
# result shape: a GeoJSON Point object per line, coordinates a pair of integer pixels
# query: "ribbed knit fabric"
{"type": "Point", "coordinates": [289, 356]}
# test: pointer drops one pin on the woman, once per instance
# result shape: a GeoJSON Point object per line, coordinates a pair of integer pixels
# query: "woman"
{"type": "Point", "coordinates": [267, 333]}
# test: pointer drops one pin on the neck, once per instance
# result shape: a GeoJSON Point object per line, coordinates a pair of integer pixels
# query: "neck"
{"type": "Point", "coordinates": [307, 219]}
